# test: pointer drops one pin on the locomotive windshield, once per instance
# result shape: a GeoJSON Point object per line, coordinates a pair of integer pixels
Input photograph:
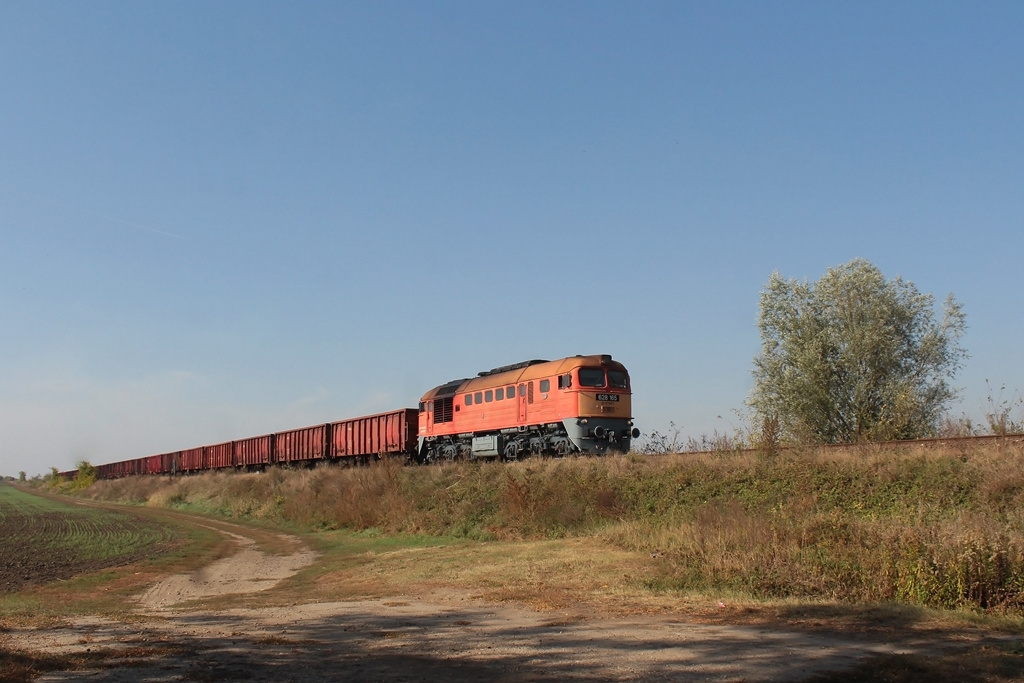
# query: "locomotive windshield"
{"type": "Point", "coordinates": [618, 379]}
{"type": "Point", "coordinates": [591, 377]}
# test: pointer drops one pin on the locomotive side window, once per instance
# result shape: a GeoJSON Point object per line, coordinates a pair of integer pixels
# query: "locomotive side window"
{"type": "Point", "coordinates": [618, 379]}
{"type": "Point", "coordinates": [499, 394]}
{"type": "Point", "coordinates": [522, 390]}
{"type": "Point", "coordinates": [510, 392]}
{"type": "Point", "coordinates": [591, 377]}
{"type": "Point", "coordinates": [488, 396]}
{"type": "Point", "coordinates": [565, 381]}
{"type": "Point", "coordinates": [469, 399]}
{"type": "Point", "coordinates": [545, 386]}
{"type": "Point", "coordinates": [478, 397]}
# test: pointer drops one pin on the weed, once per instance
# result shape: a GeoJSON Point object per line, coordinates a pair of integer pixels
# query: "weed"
{"type": "Point", "coordinates": [1000, 410]}
{"type": "Point", "coordinates": [657, 443]}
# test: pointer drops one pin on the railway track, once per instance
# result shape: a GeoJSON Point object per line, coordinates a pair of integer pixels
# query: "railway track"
{"type": "Point", "coordinates": [934, 441]}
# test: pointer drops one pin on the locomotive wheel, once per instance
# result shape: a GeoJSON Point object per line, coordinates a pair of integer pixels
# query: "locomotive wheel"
{"type": "Point", "coordinates": [512, 451]}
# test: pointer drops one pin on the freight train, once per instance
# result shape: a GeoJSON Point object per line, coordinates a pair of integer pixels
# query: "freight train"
{"type": "Point", "coordinates": [580, 404]}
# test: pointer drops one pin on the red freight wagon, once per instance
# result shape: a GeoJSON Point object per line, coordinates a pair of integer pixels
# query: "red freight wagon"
{"type": "Point", "coordinates": [192, 459]}
{"type": "Point", "coordinates": [219, 456]}
{"type": "Point", "coordinates": [170, 463]}
{"type": "Point", "coordinates": [393, 432]}
{"type": "Point", "coordinates": [297, 445]}
{"type": "Point", "coordinates": [254, 451]}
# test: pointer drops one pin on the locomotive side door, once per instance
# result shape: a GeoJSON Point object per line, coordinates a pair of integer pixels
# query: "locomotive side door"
{"type": "Point", "coordinates": [428, 424]}
{"type": "Point", "coordinates": [522, 403]}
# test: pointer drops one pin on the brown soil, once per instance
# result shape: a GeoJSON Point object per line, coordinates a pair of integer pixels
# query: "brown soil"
{"type": "Point", "coordinates": [33, 555]}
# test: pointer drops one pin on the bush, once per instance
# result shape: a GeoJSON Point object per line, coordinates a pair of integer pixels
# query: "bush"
{"type": "Point", "coordinates": [854, 357]}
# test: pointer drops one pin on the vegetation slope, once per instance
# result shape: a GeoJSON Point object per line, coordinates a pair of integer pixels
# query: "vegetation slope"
{"type": "Point", "coordinates": [938, 525]}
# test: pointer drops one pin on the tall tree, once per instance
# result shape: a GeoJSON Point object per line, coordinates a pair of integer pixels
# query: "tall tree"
{"type": "Point", "coordinates": [854, 357]}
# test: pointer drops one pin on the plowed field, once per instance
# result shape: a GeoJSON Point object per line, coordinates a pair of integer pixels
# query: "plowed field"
{"type": "Point", "coordinates": [42, 540]}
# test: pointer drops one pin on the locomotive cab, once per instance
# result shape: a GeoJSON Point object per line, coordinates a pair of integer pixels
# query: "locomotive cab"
{"type": "Point", "coordinates": [603, 419]}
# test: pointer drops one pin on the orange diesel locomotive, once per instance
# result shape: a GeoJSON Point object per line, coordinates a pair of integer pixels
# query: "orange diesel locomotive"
{"type": "Point", "coordinates": [573, 405]}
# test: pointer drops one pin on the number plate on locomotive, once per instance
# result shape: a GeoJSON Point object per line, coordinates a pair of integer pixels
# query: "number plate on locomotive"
{"type": "Point", "coordinates": [607, 397]}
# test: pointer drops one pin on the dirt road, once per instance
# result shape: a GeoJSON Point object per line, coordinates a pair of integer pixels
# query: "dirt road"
{"type": "Point", "coordinates": [442, 635]}
{"type": "Point", "coordinates": [246, 571]}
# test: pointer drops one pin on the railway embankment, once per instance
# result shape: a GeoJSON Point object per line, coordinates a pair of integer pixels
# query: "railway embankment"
{"type": "Point", "coordinates": [931, 525]}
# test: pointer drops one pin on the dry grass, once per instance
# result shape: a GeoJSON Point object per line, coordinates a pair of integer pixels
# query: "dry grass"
{"type": "Point", "coordinates": [932, 525]}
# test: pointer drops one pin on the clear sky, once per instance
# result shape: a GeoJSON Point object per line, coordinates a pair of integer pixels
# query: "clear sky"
{"type": "Point", "coordinates": [220, 219]}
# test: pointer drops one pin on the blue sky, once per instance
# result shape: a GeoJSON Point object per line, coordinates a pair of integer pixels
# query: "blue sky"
{"type": "Point", "coordinates": [223, 219]}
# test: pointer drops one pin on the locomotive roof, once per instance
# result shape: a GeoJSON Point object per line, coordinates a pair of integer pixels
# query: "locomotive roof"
{"type": "Point", "coordinates": [514, 366]}
{"type": "Point", "coordinates": [521, 372]}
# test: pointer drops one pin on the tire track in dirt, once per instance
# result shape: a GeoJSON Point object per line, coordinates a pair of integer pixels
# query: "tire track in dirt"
{"type": "Point", "coordinates": [247, 570]}
{"type": "Point", "coordinates": [448, 636]}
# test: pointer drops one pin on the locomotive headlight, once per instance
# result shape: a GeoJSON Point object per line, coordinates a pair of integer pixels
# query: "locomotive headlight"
{"type": "Point", "coordinates": [581, 421]}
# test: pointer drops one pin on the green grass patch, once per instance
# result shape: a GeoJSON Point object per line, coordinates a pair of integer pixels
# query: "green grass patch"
{"type": "Point", "coordinates": [45, 539]}
{"type": "Point", "coordinates": [60, 559]}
